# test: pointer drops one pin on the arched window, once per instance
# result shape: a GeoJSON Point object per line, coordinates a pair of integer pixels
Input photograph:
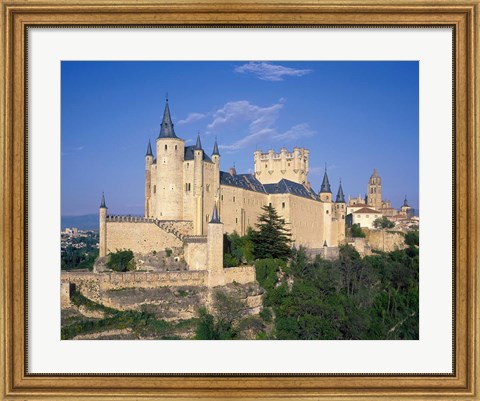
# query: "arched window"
{"type": "Point", "coordinates": [165, 147]}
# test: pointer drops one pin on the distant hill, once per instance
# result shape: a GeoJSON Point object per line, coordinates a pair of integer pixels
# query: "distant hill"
{"type": "Point", "coordinates": [85, 222]}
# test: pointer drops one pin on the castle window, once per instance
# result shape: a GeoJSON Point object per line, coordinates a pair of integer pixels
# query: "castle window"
{"type": "Point", "coordinates": [366, 216]}
{"type": "Point", "coordinates": [236, 220]}
{"type": "Point", "coordinates": [269, 203]}
{"type": "Point", "coordinates": [165, 147]}
{"type": "Point", "coordinates": [288, 164]}
{"type": "Point", "coordinates": [206, 218]}
{"type": "Point", "coordinates": [222, 197]}
{"type": "Point", "coordinates": [207, 187]}
{"type": "Point", "coordinates": [188, 165]}
{"type": "Point", "coordinates": [175, 147]}
{"type": "Point", "coordinates": [154, 189]}
{"type": "Point", "coordinates": [343, 217]}
{"type": "Point", "coordinates": [266, 165]}
{"type": "Point", "coordinates": [234, 198]}
{"type": "Point", "coordinates": [283, 205]}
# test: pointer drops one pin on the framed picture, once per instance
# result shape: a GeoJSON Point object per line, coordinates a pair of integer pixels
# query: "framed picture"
{"type": "Point", "coordinates": [256, 175]}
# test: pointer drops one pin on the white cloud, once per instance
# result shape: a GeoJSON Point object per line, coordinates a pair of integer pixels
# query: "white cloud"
{"type": "Point", "coordinates": [270, 72]}
{"type": "Point", "coordinates": [258, 122]}
{"type": "Point", "coordinates": [192, 117]}
{"type": "Point", "coordinates": [296, 132]}
{"type": "Point", "coordinates": [79, 148]}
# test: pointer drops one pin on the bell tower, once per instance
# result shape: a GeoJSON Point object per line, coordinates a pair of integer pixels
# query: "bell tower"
{"type": "Point", "coordinates": [374, 194]}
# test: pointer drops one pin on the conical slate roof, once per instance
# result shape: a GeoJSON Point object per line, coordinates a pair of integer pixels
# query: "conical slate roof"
{"type": "Point", "coordinates": [198, 145]}
{"type": "Point", "coordinates": [103, 205]}
{"type": "Point", "coordinates": [215, 148]}
{"type": "Point", "coordinates": [215, 219]}
{"type": "Point", "coordinates": [166, 129]}
{"type": "Point", "coordinates": [325, 184]}
{"type": "Point", "coordinates": [405, 202]}
{"type": "Point", "coordinates": [340, 195]}
{"type": "Point", "coordinates": [149, 149]}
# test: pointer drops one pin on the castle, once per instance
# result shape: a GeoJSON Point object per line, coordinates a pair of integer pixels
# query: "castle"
{"type": "Point", "coordinates": [190, 202]}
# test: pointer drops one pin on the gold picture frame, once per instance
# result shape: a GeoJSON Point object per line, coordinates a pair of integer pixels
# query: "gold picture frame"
{"type": "Point", "coordinates": [17, 383]}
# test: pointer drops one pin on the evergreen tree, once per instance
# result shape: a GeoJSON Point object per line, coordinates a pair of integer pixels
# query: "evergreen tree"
{"type": "Point", "coordinates": [272, 237]}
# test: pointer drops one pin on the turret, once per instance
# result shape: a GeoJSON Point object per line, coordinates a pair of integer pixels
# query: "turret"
{"type": "Point", "coordinates": [148, 178]}
{"type": "Point", "coordinates": [215, 250]}
{"type": "Point", "coordinates": [167, 180]}
{"type": "Point", "coordinates": [340, 213]}
{"type": "Point", "coordinates": [216, 172]}
{"type": "Point", "coordinates": [102, 246]}
{"type": "Point", "coordinates": [198, 186]}
{"type": "Point", "coordinates": [325, 190]}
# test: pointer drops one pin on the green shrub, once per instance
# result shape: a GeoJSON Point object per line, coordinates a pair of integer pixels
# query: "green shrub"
{"type": "Point", "coordinates": [356, 231]}
{"type": "Point", "coordinates": [168, 252]}
{"type": "Point", "coordinates": [121, 261]}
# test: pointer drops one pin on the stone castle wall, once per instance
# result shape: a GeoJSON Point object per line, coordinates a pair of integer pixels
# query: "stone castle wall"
{"type": "Point", "coordinates": [92, 285]}
{"type": "Point", "coordinates": [240, 274]}
{"type": "Point", "coordinates": [139, 236]}
{"type": "Point", "coordinates": [195, 253]}
{"type": "Point", "coordinates": [385, 241]}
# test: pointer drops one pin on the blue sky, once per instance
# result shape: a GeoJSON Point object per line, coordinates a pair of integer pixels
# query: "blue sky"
{"type": "Point", "coordinates": [354, 116]}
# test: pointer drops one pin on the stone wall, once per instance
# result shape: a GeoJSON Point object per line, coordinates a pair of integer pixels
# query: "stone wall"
{"type": "Point", "coordinates": [195, 253]}
{"type": "Point", "coordinates": [240, 274]}
{"type": "Point", "coordinates": [386, 241]}
{"type": "Point", "coordinates": [92, 285]}
{"type": "Point", "coordinates": [139, 236]}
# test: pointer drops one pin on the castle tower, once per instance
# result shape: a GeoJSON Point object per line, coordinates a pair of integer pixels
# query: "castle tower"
{"type": "Point", "coordinates": [340, 213]}
{"type": "Point", "coordinates": [198, 187]}
{"type": "Point", "coordinates": [148, 178]}
{"type": "Point", "coordinates": [215, 250]}
{"type": "Point", "coordinates": [374, 193]}
{"type": "Point", "coordinates": [272, 167]}
{"type": "Point", "coordinates": [216, 173]}
{"type": "Point", "coordinates": [325, 190]}
{"type": "Point", "coordinates": [326, 197]}
{"type": "Point", "coordinates": [102, 246]}
{"type": "Point", "coordinates": [167, 190]}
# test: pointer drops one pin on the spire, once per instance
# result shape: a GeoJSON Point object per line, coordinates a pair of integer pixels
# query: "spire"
{"type": "Point", "coordinates": [215, 219]}
{"type": "Point", "coordinates": [215, 148]}
{"type": "Point", "coordinates": [103, 205]}
{"type": "Point", "coordinates": [405, 202]}
{"type": "Point", "coordinates": [166, 129]}
{"type": "Point", "coordinates": [198, 145]}
{"type": "Point", "coordinates": [340, 195]}
{"type": "Point", "coordinates": [325, 184]}
{"type": "Point", "coordinates": [149, 149]}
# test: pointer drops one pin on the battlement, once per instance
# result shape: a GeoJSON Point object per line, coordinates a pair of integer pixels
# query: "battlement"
{"type": "Point", "coordinates": [272, 167]}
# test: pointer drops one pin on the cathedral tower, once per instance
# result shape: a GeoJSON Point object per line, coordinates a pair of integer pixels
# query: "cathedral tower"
{"type": "Point", "coordinates": [167, 186]}
{"type": "Point", "coordinates": [374, 194]}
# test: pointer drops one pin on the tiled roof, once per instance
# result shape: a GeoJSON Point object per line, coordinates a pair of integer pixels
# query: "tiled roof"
{"type": "Point", "coordinates": [289, 187]}
{"type": "Point", "coordinates": [367, 210]}
{"type": "Point", "coordinates": [358, 205]}
{"type": "Point", "coordinates": [245, 181]}
{"type": "Point", "coordinates": [189, 154]}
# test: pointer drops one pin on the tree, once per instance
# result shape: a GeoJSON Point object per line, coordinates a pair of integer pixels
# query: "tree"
{"type": "Point", "coordinates": [121, 261]}
{"type": "Point", "coordinates": [272, 239]}
{"type": "Point", "coordinates": [356, 231]}
{"type": "Point", "coordinates": [383, 222]}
